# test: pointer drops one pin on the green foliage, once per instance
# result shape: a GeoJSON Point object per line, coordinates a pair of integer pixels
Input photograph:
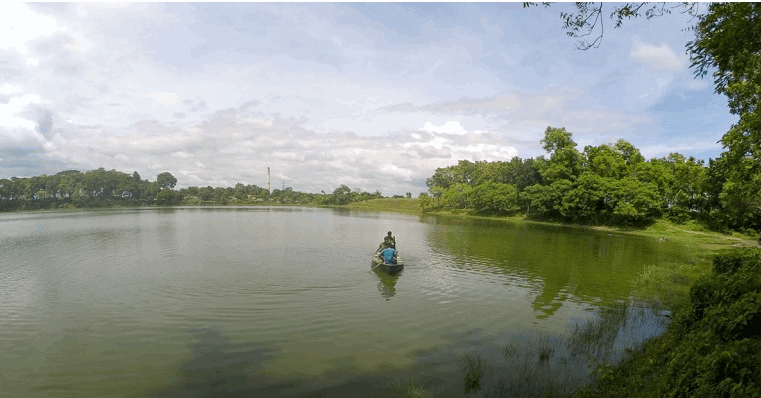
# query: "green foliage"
{"type": "Point", "coordinates": [425, 201]}
{"type": "Point", "coordinates": [565, 161]}
{"type": "Point", "coordinates": [166, 180]}
{"type": "Point", "coordinates": [342, 195]}
{"type": "Point", "coordinates": [586, 201]}
{"type": "Point", "coordinates": [740, 196]}
{"type": "Point", "coordinates": [634, 202]}
{"type": "Point", "coordinates": [102, 188]}
{"type": "Point", "coordinates": [167, 197]}
{"type": "Point", "coordinates": [605, 161]}
{"type": "Point", "coordinates": [547, 199]}
{"type": "Point", "coordinates": [632, 156]}
{"type": "Point", "coordinates": [728, 44]}
{"type": "Point", "coordinates": [457, 196]}
{"type": "Point", "coordinates": [94, 188]}
{"type": "Point", "coordinates": [465, 172]}
{"type": "Point", "coordinates": [719, 352]}
{"type": "Point", "coordinates": [493, 197]}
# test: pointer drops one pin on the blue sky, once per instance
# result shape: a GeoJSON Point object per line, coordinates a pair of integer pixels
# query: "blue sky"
{"type": "Point", "coordinates": [370, 95]}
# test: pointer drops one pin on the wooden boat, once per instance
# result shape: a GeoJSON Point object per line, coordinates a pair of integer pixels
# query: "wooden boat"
{"type": "Point", "coordinates": [391, 269]}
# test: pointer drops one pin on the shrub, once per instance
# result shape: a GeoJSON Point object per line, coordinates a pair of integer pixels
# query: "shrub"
{"type": "Point", "coordinates": [719, 354]}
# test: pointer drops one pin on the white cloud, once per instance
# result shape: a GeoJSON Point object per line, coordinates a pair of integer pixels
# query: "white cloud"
{"type": "Point", "coordinates": [165, 98]}
{"type": "Point", "coordinates": [9, 89]}
{"type": "Point", "coordinates": [659, 57]}
{"type": "Point", "coordinates": [226, 96]}
{"type": "Point", "coordinates": [9, 111]}
{"type": "Point", "coordinates": [19, 24]}
{"type": "Point", "coordinates": [450, 127]}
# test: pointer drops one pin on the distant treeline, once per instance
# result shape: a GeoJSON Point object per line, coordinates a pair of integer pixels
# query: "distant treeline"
{"type": "Point", "coordinates": [606, 184]}
{"type": "Point", "coordinates": [252, 194]}
{"type": "Point", "coordinates": [102, 188]}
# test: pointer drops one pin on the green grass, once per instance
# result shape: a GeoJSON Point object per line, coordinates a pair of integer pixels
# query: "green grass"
{"type": "Point", "coordinates": [691, 233]}
{"type": "Point", "coordinates": [402, 205]}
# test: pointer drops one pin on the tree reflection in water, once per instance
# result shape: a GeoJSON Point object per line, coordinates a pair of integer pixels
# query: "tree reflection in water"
{"type": "Point", "coordinates": [387, 285]}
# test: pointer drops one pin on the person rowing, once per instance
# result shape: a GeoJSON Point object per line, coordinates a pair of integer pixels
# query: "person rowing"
{"type": "Point", "coordinates": [388, 241]}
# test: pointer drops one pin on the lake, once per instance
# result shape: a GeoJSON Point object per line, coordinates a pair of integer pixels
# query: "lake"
{"type": "Point", "coordinates": [281, 301]}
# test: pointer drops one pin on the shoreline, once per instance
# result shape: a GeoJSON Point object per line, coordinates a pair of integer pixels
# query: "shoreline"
{"type": "Point", "coordinates": [688, 233]}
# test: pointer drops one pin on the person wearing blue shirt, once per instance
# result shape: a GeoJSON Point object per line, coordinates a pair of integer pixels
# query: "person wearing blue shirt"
{"type": "Point", "coordinates": [388, 255]}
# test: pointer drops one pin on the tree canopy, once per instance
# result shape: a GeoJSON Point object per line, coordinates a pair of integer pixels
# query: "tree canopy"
{"type": "Point", "coordinates": [606, 184]}
{"type": "Point", "coordinates": [727, 44]}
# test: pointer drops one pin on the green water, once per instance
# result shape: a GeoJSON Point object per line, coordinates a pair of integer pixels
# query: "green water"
{"type": "Point", "coordinates": [270, 302]}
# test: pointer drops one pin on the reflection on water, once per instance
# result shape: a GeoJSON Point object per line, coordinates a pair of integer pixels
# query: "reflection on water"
{"type": "Point", "coordinates": [559, 263]}
{"type": "Point", "coordinates": [218, 367]}
{"type": "Point", "coordinates": [276, 301]}
{"type": "Point", "coordinates": [387, 285]}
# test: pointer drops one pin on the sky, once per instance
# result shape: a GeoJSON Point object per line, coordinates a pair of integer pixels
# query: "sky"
{"type": "Point", "coordinates": [374, 96]}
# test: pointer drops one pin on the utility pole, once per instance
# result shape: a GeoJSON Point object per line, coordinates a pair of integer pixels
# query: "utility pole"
{"type": "Point", "coordinates": [268, 181]}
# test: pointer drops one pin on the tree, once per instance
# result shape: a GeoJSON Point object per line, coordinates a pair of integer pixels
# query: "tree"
{"type": "Point", "coordinates": [605, 161]}
{"type": "Point", "coordinates": [206, 193]}
{"type": "Point", "coordinates": [634, 202]}
{"type": "Point", "coordinates": [727, 39]}
{"type": "Point", "coordinates": [457, 196]}
{"type": "Point", "coordinates": [166, 180]}
{"type": "Point", "coordinates": [584, 22]}
{"type": "Point", "coordinates": [546, 200]}
{"type": "Point", "coordinates": [167, 197]}
{"type": "Point", "coordinates": [436, 192]}
{"type": "Point", "coordinates": [585, 203]}
{"type": "Point", "coordinates": [342, 195]}
{"type": "Point", "coordinates": [425, 201]}
{"type": "Point", "coordinates": [632, 156]}
{"type": "Point", "coordinates": [565, 161]}
{"type": "Point", "coordinates": [493, 197]}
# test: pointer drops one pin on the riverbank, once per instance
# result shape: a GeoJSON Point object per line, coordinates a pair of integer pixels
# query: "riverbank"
{"type": "Point", "coordinates": [396, 205]}
{"type": "Point", "coordinates": [691, 233]}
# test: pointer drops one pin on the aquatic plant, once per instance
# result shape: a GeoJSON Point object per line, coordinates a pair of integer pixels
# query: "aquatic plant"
{"type": "Point", "coordinates": [410, 389]}
{"type": "Point", "coordinates": [545, 346]}
{"type": "Point", "coordinates": [474, 366]}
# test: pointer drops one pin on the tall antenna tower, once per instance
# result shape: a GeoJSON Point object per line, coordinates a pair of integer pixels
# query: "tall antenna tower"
{"type": "Point", "coordinates": [268, 181]}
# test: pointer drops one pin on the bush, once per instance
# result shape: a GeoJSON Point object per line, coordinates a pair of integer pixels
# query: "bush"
{"type": "Point", "coordinates": [719, 353]}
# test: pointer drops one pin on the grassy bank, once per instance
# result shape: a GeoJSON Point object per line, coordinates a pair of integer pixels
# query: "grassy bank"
{"type": "Point", "coordinates": [691, 233]}
{"type": "Point", "coordinates": [401, 205]}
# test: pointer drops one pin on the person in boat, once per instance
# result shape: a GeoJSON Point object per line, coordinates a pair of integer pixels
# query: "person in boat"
{"type": "Point", "coordinates": [388, 241]}
{"type": "Point", "coordinates": [388, 255]}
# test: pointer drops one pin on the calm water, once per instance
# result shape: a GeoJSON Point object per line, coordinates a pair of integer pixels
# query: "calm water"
{"type": "Point", "coordinates": [269, 302]}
